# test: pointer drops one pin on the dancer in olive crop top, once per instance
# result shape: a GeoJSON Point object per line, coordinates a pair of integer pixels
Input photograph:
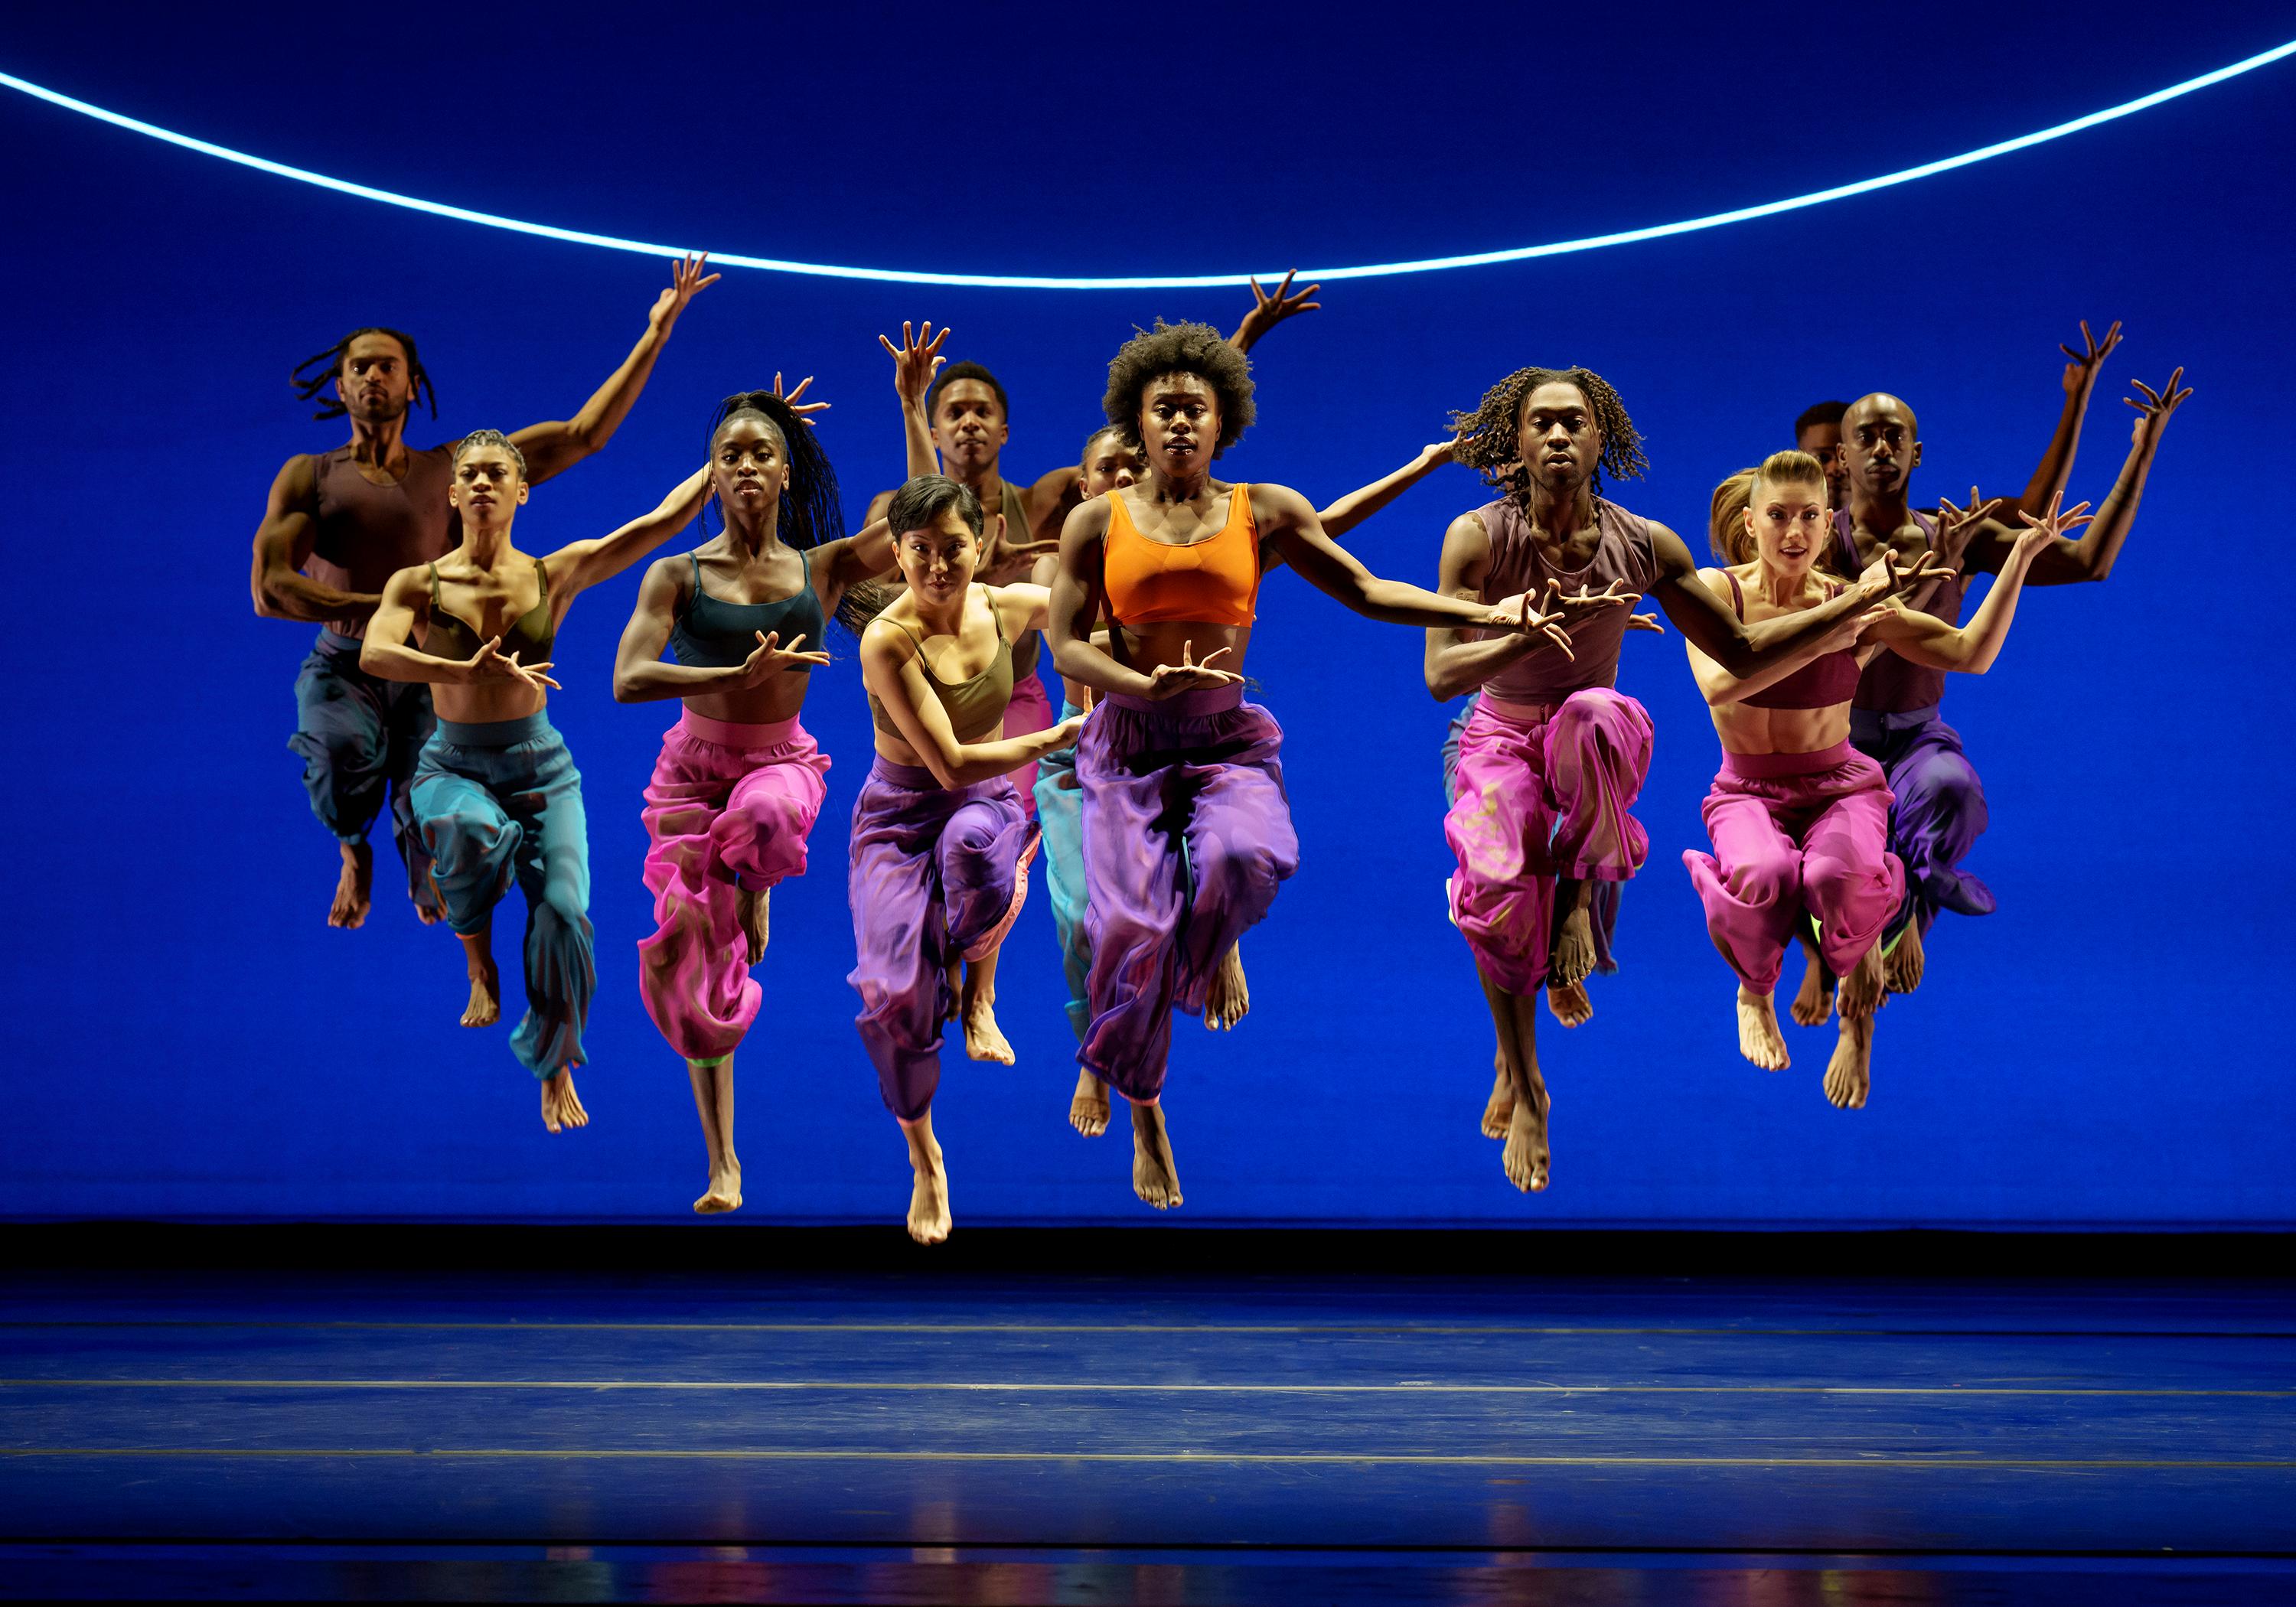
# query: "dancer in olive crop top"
{"type": "Point", "coordinates": [1174, 738]}
{"type": "Point", "coordinates": [940, 844]}
{"type": "Point", "coordinates": [739, 783]}
{"type": "Point", "coordinates": [1799, 817]}
{"type": "Point", "coordinates": [495, 794]}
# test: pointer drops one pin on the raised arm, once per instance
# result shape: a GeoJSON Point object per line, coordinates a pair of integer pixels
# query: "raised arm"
{"type": "Point", "coordinates": [1972, 648]}
{"type": "Point", "coordinates": [2063, 561]}
{"type": "Point", "coordinates": [1755, 656]}
{"type": "Point", "coordinates": [889, 670]}
{"type": "Point", "coordinates": [282, 546]}
{"type": "Point", "coordinates": [1268, 311]}
{"type": "Point", "coordinates": [836, 567]}
{"type": "Point", "coordinates": [581, 564]}
{"type": "Point", "coordinates": [384, 651]}
{"type": "Point", "coordinates": [555, 447]}
{"type": "Point", "coordinates": [2056, 465]}
{"type": "Point", "coordinates": [1359, 504]}
{"type": "Point", "coordinates": [1291, 527]}
{"type": "Point", "coordinates": [640, 675]}
{"type": "Point", "coordinates": [915, 360]}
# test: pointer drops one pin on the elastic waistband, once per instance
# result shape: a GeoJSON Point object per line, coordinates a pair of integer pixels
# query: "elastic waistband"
{"type": "Point", "coordinates": [733, 734]}
{"type": "Point", "coordinates": [1517, 714]}
{"type": "Point", "coordinates": [1187, 705]}
{"type": "Point", "coordinates": [1769, 767]}
{"type": "Point", "coordinates": [498, 734]}
{"type": "Point", "coordinates": [334, 640]}
{"type": "Point", "coordinates": [914, 778]}
{"type": "Point", "coordinates": [1873, 722]}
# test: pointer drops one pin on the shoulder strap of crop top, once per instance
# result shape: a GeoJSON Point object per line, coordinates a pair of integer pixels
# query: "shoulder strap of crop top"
{"type": "Point", "coordinates": [1737, 596]}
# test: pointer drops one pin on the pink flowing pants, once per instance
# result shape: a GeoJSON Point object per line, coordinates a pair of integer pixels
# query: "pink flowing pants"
{"type": "Point", "coordinates": [1544, 792]}
{"type": "Point", "coordinates": [1029, 711]}
{"type": "Point", "coordinates": [728, 807]}
{"type": "Point", "coordinates": [1796, 832]}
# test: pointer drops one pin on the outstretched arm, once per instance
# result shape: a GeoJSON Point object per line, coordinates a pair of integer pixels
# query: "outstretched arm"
{"type": "Point", "coordinates": [1290, 527]}
{"type": "Point", "coordinates": [838, 566]}
{"type": "Point", "coordinates": [1972, 649]}
{"type": "Point", "coordinates": [2056, 465]}
{"type": "Point", "coordinates": [889, 670]}
{"type": "Point", "coordinates": [2063, 562]}
{"type": "Point", "coordinates": [581, 564]}
{"type": "Point", "coordinates": [640, 675]}
{"type": "Point", "coordinates": [1358, 506]}
{"type": "Point", "coordinates": [1755, 656]}
{"type": "Point", "coordinates": [282, 546]}
{"type": "Point", "coordinates": [385, 653]}
{"type": "Point", "coordinates": [1268, 311]}
{"type": "Point", "coordinates": [555, 447]}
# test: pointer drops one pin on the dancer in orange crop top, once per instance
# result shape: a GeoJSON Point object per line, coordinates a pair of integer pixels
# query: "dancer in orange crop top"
{"type": "Point", "coordinates": [1177, 560]}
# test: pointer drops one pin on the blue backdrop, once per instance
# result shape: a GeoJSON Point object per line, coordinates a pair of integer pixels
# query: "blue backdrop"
{"type": "Point", "coordinates": [182, 1036]}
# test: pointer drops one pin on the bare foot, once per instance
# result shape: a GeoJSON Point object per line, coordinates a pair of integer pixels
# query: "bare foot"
{"type": "Point", "coordinates": [929, 1221]}
{"type": "Point", "coordinates": [353, 887]}
{"type": "Point", "coordinates": [1229, 1000]}
{"type": "Point", "coordinates": [1526, 1156]}
{"type": "Point", "coordinates": [485, 1008]}
{"type": "Point", "coordinates": [1573, 960]}
{"type": "Point", "coordinates": [1569, 1005]}
{"type": "Point", "coordinates": [1500, 1108]}
{"type": "Point", "coordinates": [1906, 962]}
{"type": "Point", "coordinates": [561, 1106]}
{"type": "Point", "coordinates": [1088, 1106]}
{"type": "Point", "coordinates": [983, 1040]}
{"type": "Point", "coordinates": [1758, 1038]}
{"type": "Point", "coordinates": [1154, 1179]}
{"type": "Point", "coordinates": [1850, 1074]}
{"type": "Point", "coordinates": [749, 910]}
{"type": "Point", "coordinates": [725, 1191]}
{"type": "Point", "coordinates": [1864, 991]}
{"type": "Point", "coordinates": [428, 911]}
{"type": "Point", "coordinates": [1813, 1006]}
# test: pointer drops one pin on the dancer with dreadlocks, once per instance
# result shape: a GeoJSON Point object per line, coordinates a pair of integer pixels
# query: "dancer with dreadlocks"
{"type": "Point", "coordinates": [739, 783]}
{"type": "Point", "coordinates": [340, 523]}
{"type": "Point", "coordinates": [1553, 758]}
{"type": "Point", "coordinates": [1799, 817]}
{"type": "Point", "coordinates": [940, 844]}
{"type": "Point", "coordinates": [1186, 830]}
{"type": "Point", "coordinates": [495, 794]}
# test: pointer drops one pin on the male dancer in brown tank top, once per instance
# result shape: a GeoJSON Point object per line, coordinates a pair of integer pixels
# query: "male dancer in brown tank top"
{"type": "Point", "coordinates": [338, 524]}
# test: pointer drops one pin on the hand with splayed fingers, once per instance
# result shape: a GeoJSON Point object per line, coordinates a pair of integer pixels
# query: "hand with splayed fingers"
{"type": "Point", "coordinates": [1002, 559]}
{"type": "Point", "coordinates": [1268, 311]}
{"type": "Point", "coordinates": [916, 361]}
{"type": "Point", "coordinates": [2154, 412]}
{"type": "Point", "coordinates": [802, 410]}
{"type": "Point", "coordinates": [1169, 680]}
{"type": "Point", "coordinates": [2058, 521]}
{"type": "Point", "coordinates": [2080, 373]}
{"type": "Point", "coordinates": [769, 659]}
{"type": "Point", "coordinates": [1516, 614]}
{"type": "Point", "coordinates": [490, 663]}
{"type": "Point", "coordinates": [687, 280]}
{"type": "Point", "coordinates": [1956, 526]}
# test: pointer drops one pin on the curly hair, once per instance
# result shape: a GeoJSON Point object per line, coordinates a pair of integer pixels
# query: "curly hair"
{"type": "Point", "coordinates": [313, 377]}
{"type": "Point", "coordinates": [1196, 348]}
{"type": "Point", "coordinates": [812, 512]}
{"type": "Point", "coordinates": [1490, 437]}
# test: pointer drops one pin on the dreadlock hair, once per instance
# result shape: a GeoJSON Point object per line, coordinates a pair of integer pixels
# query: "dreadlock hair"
{"type": "Point", "coordinates": [811, 511]}
{"type": "Point", "coordinates": [1196, 348]}
{"type": "Point", "coordinates": [1490, 437]}
{"type": "Point", "coordinates": [1819, 413]}
{"type": "Point", "coordinates": [488, 438]}
{"type": "Point", "coordinates": [313, 377]}
{"type": "Point", "coordinates": [1726, 519]}
{"type": "Point", "coordinates": [966, 371]}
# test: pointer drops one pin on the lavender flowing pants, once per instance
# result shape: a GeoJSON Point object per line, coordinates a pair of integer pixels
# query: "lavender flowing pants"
{"type": "Point", "coordinates": [1796, 832]}
{"type": "Point", "coordinates": [728, 808]}
{"type": "Point", "coordinates": [937, 873]}
{"type": "Point", "coordinates": [1544, 791]}
{"type": "Point", "coordinates": [1940, 813]}
{"type": "Point", "coordinates": [1188, 835]}
{"type": "Point", "coordinates": [502, 801]}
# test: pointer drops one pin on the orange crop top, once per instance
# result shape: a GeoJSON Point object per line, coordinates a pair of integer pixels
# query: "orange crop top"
{"type": "Point", "coordinates": [1215, 581]}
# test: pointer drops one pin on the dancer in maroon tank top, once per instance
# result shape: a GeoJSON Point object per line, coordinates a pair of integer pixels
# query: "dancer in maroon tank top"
{"type": "Point", "coordinates": [340, 524]}
{"type": "Point", "coordinates": [1799, 819]}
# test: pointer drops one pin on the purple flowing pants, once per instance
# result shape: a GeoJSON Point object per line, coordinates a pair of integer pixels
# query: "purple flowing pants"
{"type": "Point", "coordinates": [1940, 813]}
{"type": "Point", "coordinates": [1544, 791]}
{"type": "Point", "coordinates": [938, 873]}
{"type": "Point", "coordinates": [1188, 835]}
{"type": "Point", "coordinates": [1794, 831]}
{"type": "Point", "coordinates": [728, 807]}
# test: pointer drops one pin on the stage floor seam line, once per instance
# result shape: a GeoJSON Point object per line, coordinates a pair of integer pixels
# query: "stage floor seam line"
{"type": "Point", "coordinates": [1948, 1392]}
{"type": "Point", "coordinates": [1307, 1329]}
{"type": "Point", "coordinates": [1174, 1458]}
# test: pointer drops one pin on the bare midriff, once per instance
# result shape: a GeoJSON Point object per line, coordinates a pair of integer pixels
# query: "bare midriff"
{"type": "Point", "coordinates": [777, 700]}
{"type": "Point", "coordinates": [1747, 730]}
{"type": "Point", "coordinates": [1147, 647]}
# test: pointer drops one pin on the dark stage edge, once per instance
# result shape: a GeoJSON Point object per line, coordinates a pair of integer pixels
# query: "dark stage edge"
{"type": "Point", "coordinates": [194, 1413]}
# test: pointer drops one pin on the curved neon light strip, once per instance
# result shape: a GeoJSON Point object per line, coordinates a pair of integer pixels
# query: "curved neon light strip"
{"type": "Point", "coordinates": [1425, 265]}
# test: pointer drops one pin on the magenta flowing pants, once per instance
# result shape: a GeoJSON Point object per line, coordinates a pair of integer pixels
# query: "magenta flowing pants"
{"type": "Point", "coordinates": [729, 808]}
{"type": "Point", "coordinates": [1031, 710]}
{"type": "Point", "coordinates": [1544, 791]}
{"type": "Point", "coordinates": [1796, 832]}
{"type": "Point", "coordinates": [938, 873]}
{"type": "Point", "coordinates": [1188, 835]}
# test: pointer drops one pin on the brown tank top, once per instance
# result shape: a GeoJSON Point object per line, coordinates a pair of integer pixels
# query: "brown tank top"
{"type": "Point", "coordinates": [976, 705]}
{"type": "Point", "coordinates": [1891, 684]}
{"type": "Point", "coordinates": [1622, 552]}
{"type": "Point", "coordinates": [1016, 529]}
{"type": "Point", "coordinates": [367, 533]}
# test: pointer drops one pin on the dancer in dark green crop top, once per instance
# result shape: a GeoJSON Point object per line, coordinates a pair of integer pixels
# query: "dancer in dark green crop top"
{"type": "Point", "coordinates": [495, 795]}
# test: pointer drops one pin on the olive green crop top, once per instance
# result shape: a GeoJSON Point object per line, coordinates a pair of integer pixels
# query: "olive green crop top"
{"type": "Point", "coordinates": [976, 706]}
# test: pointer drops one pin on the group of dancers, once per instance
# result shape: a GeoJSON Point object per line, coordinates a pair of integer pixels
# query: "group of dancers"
{"type": "Point", "coordinates": [1154, 798]}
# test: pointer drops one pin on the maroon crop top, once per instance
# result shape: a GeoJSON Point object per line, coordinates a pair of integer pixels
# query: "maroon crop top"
{"type": "Point", "coordinates": [1828, 680]}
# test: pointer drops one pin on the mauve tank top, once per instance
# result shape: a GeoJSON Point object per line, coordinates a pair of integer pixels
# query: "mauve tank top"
{"type": "Point", "coordinates": [1016, 529]}
{"type": "Point", "coordinates": [1622, 552]}
{"type": "Point", "coordinates": [1825, 681]}
{"type": "Point", "coordinates": [368, 533]}
{"type": "Point", "coordinates": [1891, 684]}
